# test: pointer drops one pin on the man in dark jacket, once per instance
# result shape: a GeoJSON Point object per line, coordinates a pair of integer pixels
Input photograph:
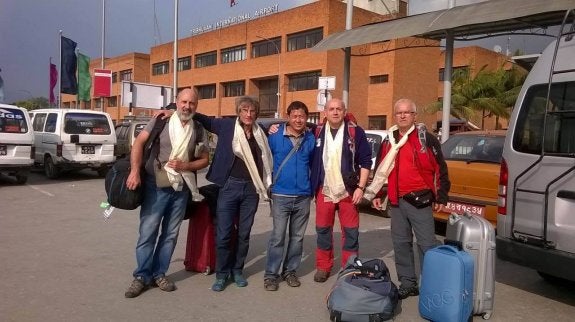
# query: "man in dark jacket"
{"type": "Point", "coordinates": [413, 165]}
{"type": "Point", "coordinates": [340, 168]}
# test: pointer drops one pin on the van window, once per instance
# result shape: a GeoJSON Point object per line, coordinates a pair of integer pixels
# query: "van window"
{"type": "Point", "coordinates": [473, 148]}
{"type": "Point", "coordinates": [51, 123]}
{"type": "Point", "coordinates": [86, 123]}
{"type": "Point", "coordinates": [12, 121]}
{"type": "Point", "coordinates": [38, 123]}
{"type": "Point", "coordinates": [374, 142]}
{"type": "Point", "coordinates": [560, 131]}
{"type": "Point", "coordinates": [138, 128]}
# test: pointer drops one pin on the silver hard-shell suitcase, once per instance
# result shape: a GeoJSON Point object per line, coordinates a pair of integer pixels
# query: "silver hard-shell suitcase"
{"type": "Point", "coordinates": [477, 236]}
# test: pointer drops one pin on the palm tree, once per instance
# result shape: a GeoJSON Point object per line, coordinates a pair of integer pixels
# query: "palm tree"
{"type": "Point", "coordinates": [492, 93]}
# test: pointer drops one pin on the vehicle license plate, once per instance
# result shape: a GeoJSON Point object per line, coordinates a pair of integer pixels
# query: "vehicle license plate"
{"type": "Point", "coordinates": [88, 149]}
{"type": "Point", "coordinates": [460, 208]}
{"type": "Point", "coordinates": [3, 150]}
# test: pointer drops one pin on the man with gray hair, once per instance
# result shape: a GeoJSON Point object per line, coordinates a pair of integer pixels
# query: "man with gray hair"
{"type": "Point", "coordinates": [242, 167]}
{"type": "Point", "coordinates": [413, 166]}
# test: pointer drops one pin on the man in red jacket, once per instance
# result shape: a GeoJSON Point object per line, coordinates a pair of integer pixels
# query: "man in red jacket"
{"type": "Point", "coordinates": [416, 173]}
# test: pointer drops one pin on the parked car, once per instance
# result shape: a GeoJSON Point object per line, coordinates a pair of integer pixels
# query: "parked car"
{"type": "Point", "coordinates": [473, 160]}
{"type": "Point", "coordinates": [16, 142]}
{"type": "Point", "coordinates": [126, 132]}
{"type": "Point", "coordinates": [374, 138]}
{"type": "Point", "coordinates": [70, 139]}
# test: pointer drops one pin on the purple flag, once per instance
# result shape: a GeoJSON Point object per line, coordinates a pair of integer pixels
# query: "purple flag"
{"type": "Point", "coordinates": [53, 81]}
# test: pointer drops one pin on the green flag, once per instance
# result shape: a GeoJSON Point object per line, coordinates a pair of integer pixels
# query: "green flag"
{"type": "Point", "coordinates": [84, 79]}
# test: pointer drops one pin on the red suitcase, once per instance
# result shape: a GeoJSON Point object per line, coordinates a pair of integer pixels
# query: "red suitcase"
{"type": "Point", "coordinates": [200, 248]}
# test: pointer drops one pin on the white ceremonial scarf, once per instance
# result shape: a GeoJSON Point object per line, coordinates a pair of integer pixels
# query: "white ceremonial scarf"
{"type": "Point", "coordinates": [241, 149]}
{"type": "Point", "coordinates": [385, 167]}
{"type": "Point", "coordinates": [180, 136]}
{"type": "Point", "coordinates": [333, 186]}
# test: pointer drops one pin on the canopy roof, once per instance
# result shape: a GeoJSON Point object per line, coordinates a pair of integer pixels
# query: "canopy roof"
{"type": "Point", "coordinates": [494, 16]}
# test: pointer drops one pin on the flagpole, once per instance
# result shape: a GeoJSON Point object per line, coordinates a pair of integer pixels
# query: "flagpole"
{"type": "Point", "coordinates": [175, 91]}
{"type": "Point", "coordinates": [77, 80]}
{"type": "Point", "coordinates": [103, 47]}
{"type": "Point", "coordinates": [60, 73]}
{"type": "Point", "coordinates": [50, 82]}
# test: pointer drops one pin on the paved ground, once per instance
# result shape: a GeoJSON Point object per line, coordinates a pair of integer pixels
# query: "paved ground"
{"type": "Point", "coordinates": [60, 260]}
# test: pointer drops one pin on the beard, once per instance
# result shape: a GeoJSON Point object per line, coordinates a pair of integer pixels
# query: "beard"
{"type": "Point", "coordinates": [185, 116]}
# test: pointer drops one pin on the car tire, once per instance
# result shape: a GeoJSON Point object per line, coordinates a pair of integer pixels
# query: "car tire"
{"type": "Point", "coordinates": [50, 169]}
{"type": "Point", "coordinates": [21, 178]}
{"type": "Point", "coordinates": [102, 171]}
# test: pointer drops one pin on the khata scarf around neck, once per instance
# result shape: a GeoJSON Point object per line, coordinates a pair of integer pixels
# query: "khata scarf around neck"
{"type": "Point", "coordinates": [385, 167]}
{"type": "Point", "coordinates": [241, 149]}
{"type": "Point", "coordinates": [333, 186]}
{"type": "Point", "coordinates": [180, 136]}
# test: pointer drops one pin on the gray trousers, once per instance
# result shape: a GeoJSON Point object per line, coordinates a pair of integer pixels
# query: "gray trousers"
{"type": "Point", "coordinates": [405, 221]}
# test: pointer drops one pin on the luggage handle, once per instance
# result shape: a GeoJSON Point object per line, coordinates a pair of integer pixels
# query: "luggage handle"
{"type": "Point", "coordinates": [455, 243]}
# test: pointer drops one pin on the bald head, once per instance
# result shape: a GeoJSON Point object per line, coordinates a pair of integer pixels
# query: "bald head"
{"type": "Point", "coordinates": [187, 103]}
{"type": "Point", "coordinates": [334, 112]}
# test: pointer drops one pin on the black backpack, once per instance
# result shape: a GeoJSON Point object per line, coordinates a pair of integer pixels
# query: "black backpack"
{"type": "Point", "coordinates": [119, 195]}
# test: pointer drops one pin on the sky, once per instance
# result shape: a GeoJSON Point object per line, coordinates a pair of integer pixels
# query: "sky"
{"type": "Point", "coordinates": [29, 31]}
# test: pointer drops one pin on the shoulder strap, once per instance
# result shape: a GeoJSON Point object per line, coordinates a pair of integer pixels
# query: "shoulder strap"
{"type": "Point", "coordinates": [293, 150]}
{"type": "Point", "coordinates": [153, 138]}
{"type": "Point", "coordinates": [421, 134]}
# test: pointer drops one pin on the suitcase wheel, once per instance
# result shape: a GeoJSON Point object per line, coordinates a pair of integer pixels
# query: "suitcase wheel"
{"type": "Point", "coordinates": [486, 316]}
{"type": "Point", "coordinates": [207, 271]}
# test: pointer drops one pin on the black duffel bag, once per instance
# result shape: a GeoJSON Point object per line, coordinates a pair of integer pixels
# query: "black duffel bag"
{"type": "Point", "coordinates": [119, 195]}
{"type": "Point", "coordinates": [363, 292]}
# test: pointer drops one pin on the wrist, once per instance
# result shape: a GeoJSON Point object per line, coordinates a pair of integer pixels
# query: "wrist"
{"type": "Point", "coordinates": [362, 188]}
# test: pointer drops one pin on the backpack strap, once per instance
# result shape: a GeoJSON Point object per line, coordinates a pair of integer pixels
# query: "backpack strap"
{"type": "Point", "coordinates": [154, 138]}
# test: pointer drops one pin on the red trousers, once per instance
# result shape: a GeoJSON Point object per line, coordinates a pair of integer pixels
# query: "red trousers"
{"type": "Point", "coordinates": [324, 221]}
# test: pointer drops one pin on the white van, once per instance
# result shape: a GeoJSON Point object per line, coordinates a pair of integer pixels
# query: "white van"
{"type": "Point", "coordinates": [67, 139]}
{"type": "Point", "coordinates": [536, 205]}
{"type": "Point", "coordinates": [16, 142]}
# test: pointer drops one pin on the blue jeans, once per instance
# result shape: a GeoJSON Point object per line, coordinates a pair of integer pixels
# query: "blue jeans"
{"type": "Point", "coordinates": [237, 206]}
{"type": "Point", "coordinates": [292, 211]}
{"type": "Point", "coordinates": [161, 212]}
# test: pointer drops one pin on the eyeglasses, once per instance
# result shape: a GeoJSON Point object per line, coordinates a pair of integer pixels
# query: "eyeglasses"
{"type": "Point", "coordinates": [404, 113]}
{"type": "Point", "coordinates": [247, 111]}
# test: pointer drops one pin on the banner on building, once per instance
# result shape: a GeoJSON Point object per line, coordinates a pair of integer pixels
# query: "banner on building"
{"type": "Point", "coordinates": [102, 83]}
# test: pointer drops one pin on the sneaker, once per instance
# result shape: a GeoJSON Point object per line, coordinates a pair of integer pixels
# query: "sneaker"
{"type": "Point", "coordinates": [240, 280]}
{"type": "Point", "coordinates": [271, 284]}
{"type": "Point", "coordinates": [292, 280]}
{"type": "Point", "coordinates": [165, 284]}
{"type": "Point", "coordinates": [405, 292]}
{"type": "Point", "coordinates": [321, 276]}
{"type": "Point", "coordinates": [136, 288]}
{"type": "Point", "coordinates": [219, 285]}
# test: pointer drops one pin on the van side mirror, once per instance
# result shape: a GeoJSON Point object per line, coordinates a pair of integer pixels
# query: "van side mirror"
{"type": "Point", "coordinates": [74, 138]}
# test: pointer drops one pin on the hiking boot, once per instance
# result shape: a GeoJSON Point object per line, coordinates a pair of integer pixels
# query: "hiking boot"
{"type": "Point", "coordinates": [321, 276]}
{"type": "Point", "coordinates": [271, 284]}
{"type": "Point", "coordinates": [219, 285]}
{"type": "Point", "coordinates": [165, 284]}
{"type": "Point", "coordinates": [405, 292]}
{"type": "Point", "coordinates": [292, 280]}
{"type": "Point", "coordinates": [136, 288]}
{"type": "Point", "coordinates": [240, 280]}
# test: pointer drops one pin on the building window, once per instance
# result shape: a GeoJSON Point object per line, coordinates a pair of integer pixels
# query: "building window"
{"type": "Point", "coordinates": [267, 47]}
{"type": "Point", "coordinates": [184, 63]}
{"type": "Point", "coordinates": [232, 89]}
{"type": "Point", "coordinates": [126, 75]}
{"type": "Point", "coordinates": [455, 71]}
{"type": "Point", "coordinates": [233, 54]}
{"type": "Point", "coordinates": [378, 79]}
{"type": "Point", "coordinates": [305, 39]}
{"type": "Point", "coordinates": [207, 59]}
{"type": "Point", "coordinates": [114, 77]}
{"type": "Point", "coordinates": [377, 122]}
{"type": "Point", "coordinates": [161, 68]}
{"type": "Point", "coordinates": [313, 117]}
{"type": "Point", "coordinates": [206, 91]}
{"type": "Point", "coordinates": [112, 101]}
{"type": "Point", "coordinates": [303, 81]}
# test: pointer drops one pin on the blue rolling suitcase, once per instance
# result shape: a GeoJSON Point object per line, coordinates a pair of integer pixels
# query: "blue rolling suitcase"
{"type": "Point", "coordinates": [446, 291]}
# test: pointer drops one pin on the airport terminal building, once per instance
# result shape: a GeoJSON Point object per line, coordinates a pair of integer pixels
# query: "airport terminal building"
{"type": "Point", "coordinates": [267, 54]}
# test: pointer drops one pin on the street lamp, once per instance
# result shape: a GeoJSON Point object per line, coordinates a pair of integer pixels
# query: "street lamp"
{"type": "Point", "coordinates": [279, 70]}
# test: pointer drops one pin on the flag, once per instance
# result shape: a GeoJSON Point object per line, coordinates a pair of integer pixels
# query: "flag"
{"type": "Point", "coordinates": [84, 79]}
{"type": "Point", "coordinates": [53, 81]}
{"type": "Point", "coordinates": [232, 3]}
{"type": "Point", "coordinates": [68, 83]}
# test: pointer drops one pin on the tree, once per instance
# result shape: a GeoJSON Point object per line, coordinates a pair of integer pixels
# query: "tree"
{"type": "Point", "coordinates": [491, 93]}
{"type": "Point", "coordinates": [33, 103]}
